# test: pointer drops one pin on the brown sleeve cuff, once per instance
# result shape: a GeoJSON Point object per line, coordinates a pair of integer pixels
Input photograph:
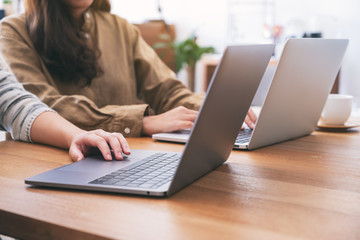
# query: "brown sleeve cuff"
{"type": "Point", "coordinates": [129, 121]}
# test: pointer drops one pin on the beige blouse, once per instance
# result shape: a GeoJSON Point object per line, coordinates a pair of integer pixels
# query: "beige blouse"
{"type": "Point", "coordinates": [133, 73]}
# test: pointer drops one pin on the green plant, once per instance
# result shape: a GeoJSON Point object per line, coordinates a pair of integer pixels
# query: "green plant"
{"type": "Point", "coordinates": [187, 52]}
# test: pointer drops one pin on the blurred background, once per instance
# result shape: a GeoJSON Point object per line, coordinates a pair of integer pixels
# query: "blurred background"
{"type": "Point", "coordinates": [218, 23]}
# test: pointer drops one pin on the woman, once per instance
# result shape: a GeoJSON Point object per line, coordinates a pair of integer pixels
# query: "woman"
{"type": "Point", "coordinates": [94, 69]}
{"type": "Point", "coordinates": [28, 119]}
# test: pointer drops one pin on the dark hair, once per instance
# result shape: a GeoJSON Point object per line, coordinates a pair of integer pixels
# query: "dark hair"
{"type": "Point", "coordinates": [59, 42]}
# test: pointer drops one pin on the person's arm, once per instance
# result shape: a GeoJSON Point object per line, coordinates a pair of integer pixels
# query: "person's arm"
{"type": "Point", "coordinates": [26, 64]}
{"type": "Point", "coordinates": [28, 119]}
{"type": "Point", "coordinates": [50, 128]}
{"type": "Point", "coordinates": [174, 103]}
{"type": "Point", "coordinates": [156, 82]}
{"type": "Point", "coordinates": [18, 108]}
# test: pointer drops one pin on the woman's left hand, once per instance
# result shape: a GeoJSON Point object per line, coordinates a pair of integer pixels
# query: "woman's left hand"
{"type": "Point", "coordinates": [250, 119]}
{"type": "Point", "coordinates": [84, 142]}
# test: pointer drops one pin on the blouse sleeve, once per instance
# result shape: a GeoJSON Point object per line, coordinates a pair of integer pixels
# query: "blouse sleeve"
{"type": "Point", "coordinates": [158, 84]}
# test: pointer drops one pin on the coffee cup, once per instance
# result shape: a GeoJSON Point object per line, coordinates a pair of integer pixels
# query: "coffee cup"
{"type": "Point", "coordinates": [337, 109]}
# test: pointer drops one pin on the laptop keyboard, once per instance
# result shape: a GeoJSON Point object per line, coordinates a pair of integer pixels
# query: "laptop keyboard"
{"type": "Point", "coordinates": [151, 172]}
{"type": "Point", "coordinates": [243, 136]}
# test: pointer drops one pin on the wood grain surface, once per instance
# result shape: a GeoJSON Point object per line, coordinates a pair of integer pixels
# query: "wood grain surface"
{"type": "Point", "coordinates": [308, 188]}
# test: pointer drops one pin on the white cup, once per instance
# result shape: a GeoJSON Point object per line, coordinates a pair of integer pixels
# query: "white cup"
{"type": "Point", "coordinates": [337, 109]}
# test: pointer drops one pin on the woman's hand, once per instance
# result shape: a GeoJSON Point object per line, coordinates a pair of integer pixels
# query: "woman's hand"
{"type": "Point", "coordinates": [180, 118]}
{"type": "Point", "coordinates": [170, 121]}
{"type": "Point", "coordinates": [250, 119]}
{"type": "Point", "coordinates": [84, 142]}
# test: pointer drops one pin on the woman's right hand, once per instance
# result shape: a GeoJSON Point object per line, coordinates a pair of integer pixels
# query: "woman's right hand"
{"type": "Point", "coordinates": [170, 121]}
{"type": "Point", "coordinates": [83, 143]}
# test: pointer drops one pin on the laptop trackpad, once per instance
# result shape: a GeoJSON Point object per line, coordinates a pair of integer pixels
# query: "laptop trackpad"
{"type": "Point", "coordinates": [98, 164]}
{"type": "Point", "coordinates": [95, 164]}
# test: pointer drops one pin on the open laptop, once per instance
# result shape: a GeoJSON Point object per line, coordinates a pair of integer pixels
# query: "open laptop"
{"type": "Point", "coordinates": [222, 113]}
{"type": "Point", "coordinates": [297, 94]}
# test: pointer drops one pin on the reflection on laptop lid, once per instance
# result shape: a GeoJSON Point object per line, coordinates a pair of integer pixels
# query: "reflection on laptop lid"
{"type": "Point", "coordinates": [163, 173]}
{"type": "Point", "coordinates": [303, 79]}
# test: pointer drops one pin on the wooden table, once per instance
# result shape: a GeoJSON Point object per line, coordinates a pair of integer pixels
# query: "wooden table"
{"type": "Point", "coordinates": [307, 188]}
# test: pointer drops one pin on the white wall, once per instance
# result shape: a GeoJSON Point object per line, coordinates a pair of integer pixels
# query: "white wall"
{"type": "Point", "coordinates": [2, 136]}
{"type": "Point", "coordinates": [187, 15]}
{"type": "Point", "coordinates": [336, 18]}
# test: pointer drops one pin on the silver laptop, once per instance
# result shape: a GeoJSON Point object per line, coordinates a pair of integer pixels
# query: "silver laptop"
{"type": "Point", "coordinates": [297, 94]}
{"type": "Point", "coordinates": [163, 173]}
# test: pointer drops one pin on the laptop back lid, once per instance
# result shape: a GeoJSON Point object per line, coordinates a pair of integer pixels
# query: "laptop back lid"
{"type": "Point", "coordinates": [224, 109]}
{"type": "Point", "coordinates": [303, 79]}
